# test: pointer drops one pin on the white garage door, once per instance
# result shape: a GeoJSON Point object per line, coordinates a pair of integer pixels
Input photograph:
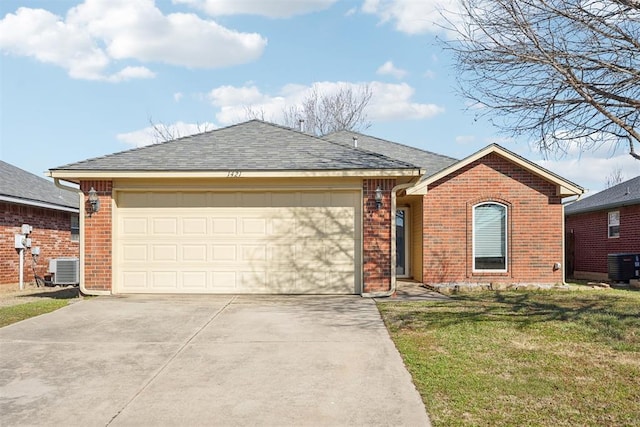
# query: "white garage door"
{"type": "Point", "coordinates": [237, 242]}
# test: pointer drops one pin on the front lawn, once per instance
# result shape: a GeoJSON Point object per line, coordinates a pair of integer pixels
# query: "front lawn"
{"type": "Point", "coordinates": [16, 313]}
{"type": "Point", "coordinates": [514, 358]}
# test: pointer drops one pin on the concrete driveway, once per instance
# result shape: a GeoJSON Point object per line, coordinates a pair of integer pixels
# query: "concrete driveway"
{"type": "Point", "coordinates": [206, 360]}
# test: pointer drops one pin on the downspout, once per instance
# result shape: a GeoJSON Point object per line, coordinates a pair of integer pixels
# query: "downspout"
{"type": "Point", "coordinates": [564, 238]}
{"type": "Point", "coordinates": [82, 214]}
{"type": "Point", "coordinates": [392, 289]}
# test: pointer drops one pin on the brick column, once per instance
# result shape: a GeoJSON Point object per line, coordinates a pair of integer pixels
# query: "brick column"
{"type": "Point", "coordinates": [97, 237]}
{"type": "Point", "coordinates": [376, 225]}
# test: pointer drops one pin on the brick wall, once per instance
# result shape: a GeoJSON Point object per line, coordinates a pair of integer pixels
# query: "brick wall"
{"type": "Point", "coordinates": [97, 238]}
{"type": "Point", "coordinates": [51, 232]}
{"type": "Point", "coordinates": [592, 244]}
{"type": "Point", "coordinates": [377, 236]}
{"type": "Point", "coordinates": [534, 224]}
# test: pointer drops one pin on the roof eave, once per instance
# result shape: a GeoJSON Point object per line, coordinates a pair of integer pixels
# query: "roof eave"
{"type": "Point", "coordinates": [564, 188]}
{"type": "Point", "coordinates": [604, 207]}
{"type": "Point", "coordinates": [77, 175]}
{"type": "Point", "coordinates": [38, 204]}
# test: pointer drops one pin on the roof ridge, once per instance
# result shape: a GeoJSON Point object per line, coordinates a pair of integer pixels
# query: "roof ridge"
{"type": "Point", "coordinates": [364, 150]}
{"type": "Point", "coordinates": [395, 143]}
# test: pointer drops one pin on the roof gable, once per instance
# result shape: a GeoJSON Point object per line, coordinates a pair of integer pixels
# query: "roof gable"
{"type": "Point", "coordinates": [250, 146]}
{"type": "Point", "coordinates": [565, 188]}
{"type": "Point", "coordinates": [624, 194]}
{"type": "Point", "coordinates": [430, 162]}
{"type": "Point", "coordinates": [20, 186]}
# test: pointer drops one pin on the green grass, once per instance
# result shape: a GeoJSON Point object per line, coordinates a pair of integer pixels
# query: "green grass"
{"type": "Point", "coordinates": [513, 358]}
{"type": "Point", "coordinates": [16, 313]}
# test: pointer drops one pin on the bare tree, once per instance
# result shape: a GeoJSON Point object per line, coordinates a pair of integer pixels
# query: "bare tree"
{"type": "Point", "coordinates": [615, 177]}
{"type": "Point", "coordinates": [254, 113]}
{"type": "Point", "coordinates": [323, 113]}
{"type": "Point", "coordinates": [568, 70]}
{"type": "Point", "coordinates": [162, 132]}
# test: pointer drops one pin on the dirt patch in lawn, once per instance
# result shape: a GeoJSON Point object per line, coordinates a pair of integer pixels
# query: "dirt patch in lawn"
{"type": "Point", "coordinates": [12, 295]}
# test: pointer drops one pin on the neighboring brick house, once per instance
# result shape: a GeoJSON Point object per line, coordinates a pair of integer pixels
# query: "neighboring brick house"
{"type": "Point", "coordinates": [259, 208]}
{"type": "Point", "coordinates": [605, 223]}
{"type": "Point", "coordinates": [52, 212]}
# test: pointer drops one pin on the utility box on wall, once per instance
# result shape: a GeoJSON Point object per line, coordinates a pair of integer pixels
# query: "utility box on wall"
{"type": "Point", "coordinates": [623, 267]}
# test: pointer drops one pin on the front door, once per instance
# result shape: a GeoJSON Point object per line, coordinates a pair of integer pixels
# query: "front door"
{"type": "Point", "coordinates": [402, 242]}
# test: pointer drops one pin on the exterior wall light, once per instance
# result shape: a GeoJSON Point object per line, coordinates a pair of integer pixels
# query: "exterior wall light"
{"type": "Point", "coordinates": [94, 201]}
{"type": "Point", "coordinates": [378, 197]}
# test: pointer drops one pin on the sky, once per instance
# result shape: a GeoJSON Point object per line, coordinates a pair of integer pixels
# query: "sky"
{"type": "Point", "coordinates": [81, 79]}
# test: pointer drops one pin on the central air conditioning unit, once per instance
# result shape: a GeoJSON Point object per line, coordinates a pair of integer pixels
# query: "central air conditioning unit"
{"type": "Point", "coordinates": [65, 271]}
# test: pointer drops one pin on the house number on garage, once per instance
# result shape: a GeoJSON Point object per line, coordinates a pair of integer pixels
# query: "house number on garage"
{"type": "Point", "coordinates": [234, 174]}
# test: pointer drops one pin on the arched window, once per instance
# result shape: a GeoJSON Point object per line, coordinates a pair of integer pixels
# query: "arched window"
{"type": "Point", "coordinates": [490, 237]}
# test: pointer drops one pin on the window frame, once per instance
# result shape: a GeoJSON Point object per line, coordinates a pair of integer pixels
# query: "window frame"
{"type": "Point", "coordinates": [506, 238]}
{"type": "Point", "coordinates": [610, 225]}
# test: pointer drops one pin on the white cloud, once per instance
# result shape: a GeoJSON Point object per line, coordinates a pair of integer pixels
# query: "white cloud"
{"type": "Point", "coordinates": [149, 135]}
{"type": "Point", "coordinates": [96, 33]}
{"type": "Point", "coordinates": [388, 102]}
{"type": "Point", "coordinates": [412, 16]}
{"type": "Point", "coordinates": [178, 96]}
{"type": "Point", "coordinates": [393, 102]}
{"type": "Point", "coordinates": [429, 74]}
{"type": "Point", "coordinates": [351, 11]}
{"type": "Point", "coordinates": [271, 9]}
{"type": "Point", "coordinates": [591, 171]}
{"type": "Point", "coordinates": [588, 168]}
{"type": "Point", "coordinates": [129, 73]}
{"type": "Point", "coordinates": [389, 69]}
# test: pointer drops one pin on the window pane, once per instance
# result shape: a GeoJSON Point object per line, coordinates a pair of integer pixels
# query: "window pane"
{"type": "Point", "coordinates": [614, 224]}
{"type": "Point", "coordinates": [75, 228]}
{"type": "Point", "coordinates": [490, 237]}
{"type": "Point", "coordinates": [614, 231]}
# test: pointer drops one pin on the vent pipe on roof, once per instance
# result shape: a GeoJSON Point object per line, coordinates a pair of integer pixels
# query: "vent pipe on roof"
{"type": "Point", "coordinates": [355, 142]}
{"type": "Point", "coordinates": [301, 121]}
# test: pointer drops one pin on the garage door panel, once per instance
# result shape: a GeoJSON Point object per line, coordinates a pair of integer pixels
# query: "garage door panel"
{"type": "Point", "coordinates": [210, 245]}
{"type": "Point", "coordinates": [194, 253]}
{"type": "Point", "coordinates": [162, 253]}
{"type": "Point", "coordinates": [164, 279]}
{"type": "Point", "coordinates": [194, 280]}
{"type": "Point", "coordinates": [134, 252]}
{"type": "Point", "coordinates": [225, 226]}
{"type": "Point", "coordinates": [131, 226]}
{"type": "Point", "coordinates": [225, 281]}
{"type": "Point", "coordinates": [134, 280]}
{"type": "Point", "coordinates": [253, 227]}
{"type": "Point", "coordinates": [197, 226]}
{"type": "Point", "coordinates": [253, 253]}
{"type": "Point", "coordinates": [165, 226]}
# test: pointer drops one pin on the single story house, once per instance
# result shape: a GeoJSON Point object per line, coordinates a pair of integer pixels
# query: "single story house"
{"type": "Point", "coordinates": [605, 223]}
{"type": "Point", "coordinates": [53, 214]}
{"type": "Point", "coordinates": [260, 208]}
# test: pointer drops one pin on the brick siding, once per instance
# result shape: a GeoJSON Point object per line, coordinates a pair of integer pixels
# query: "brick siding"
{"type": "Point", "coordinates": [592, 242]}
{"type": "Point", "coordinates": [51, 232]}
{"type": "Point", "coordinates": [534, 224]}
{"type": "Point", "coordinates": [377, 236]}
{"type": "Point", "coordinates": [97, 238]}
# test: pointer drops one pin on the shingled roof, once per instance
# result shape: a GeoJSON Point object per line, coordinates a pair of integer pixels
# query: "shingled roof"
{"type": "Point", "coordinates": [20, 186]}
{"type": "Point", "coordinates": [252, 146]}
{"type": "Point", "coordinates": [430, 162]}
{"type": "Point", "coordinates": [624, 194]}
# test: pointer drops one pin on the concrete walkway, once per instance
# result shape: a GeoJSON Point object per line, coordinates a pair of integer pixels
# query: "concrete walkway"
{"type": "Point", "coordinates": [206, 360]}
